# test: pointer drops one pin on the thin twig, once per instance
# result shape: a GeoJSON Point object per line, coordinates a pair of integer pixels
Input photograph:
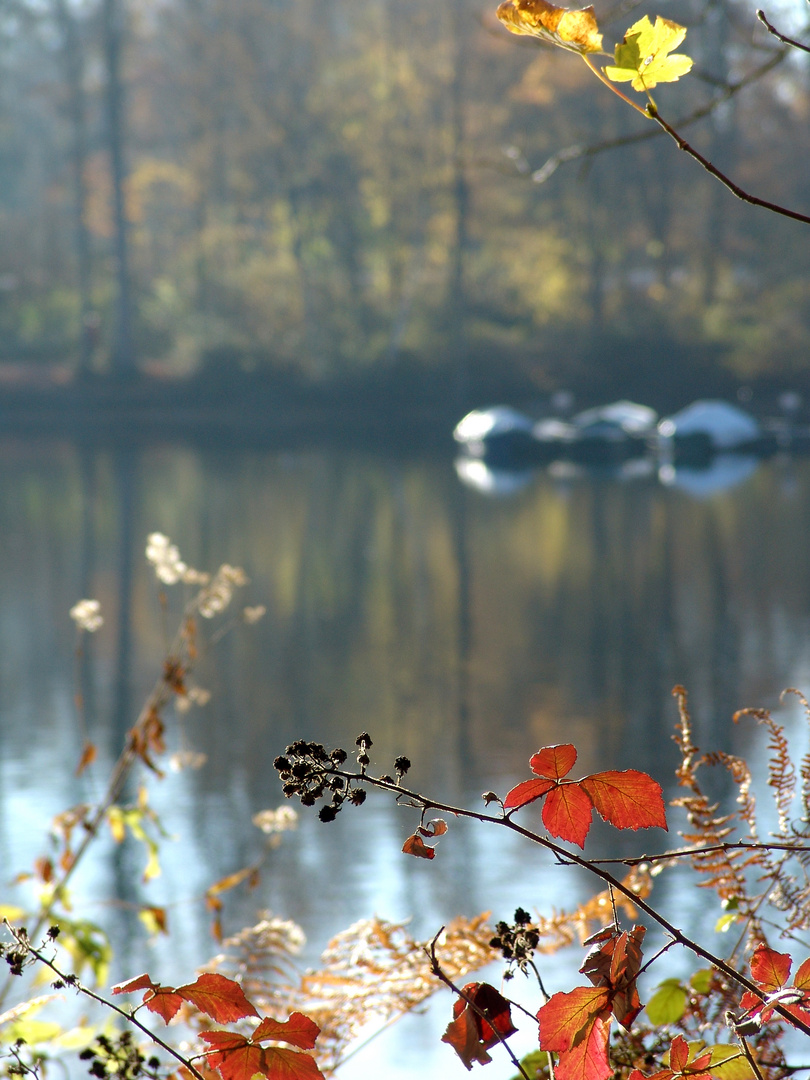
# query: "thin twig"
{"type": "Point", "coordinates": [420, 801]}
{"type": "Point", "coordinates": [786, 40]}
{"type": "Point", "coordinates": [71, 980]}
{"type": "Point", "coordinates": [726, 181]}
{"type": "Point", "coordinates": [436, 969]}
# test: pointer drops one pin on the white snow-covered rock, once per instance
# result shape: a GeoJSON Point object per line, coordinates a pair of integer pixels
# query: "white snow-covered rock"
{"type": "Point", "coordinates": [724, 425]}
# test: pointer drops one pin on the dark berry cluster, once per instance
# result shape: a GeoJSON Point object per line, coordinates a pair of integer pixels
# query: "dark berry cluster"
{"type": "Point", "coordinates": [517, 942]}
{"type": "Point", "coordinates": [121, 1058]}
{"type": "Point", "coordinates": [312, 773]}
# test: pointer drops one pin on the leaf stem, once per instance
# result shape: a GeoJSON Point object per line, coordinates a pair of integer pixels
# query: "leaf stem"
{"type": "Point", "coordinates": [612, 86]}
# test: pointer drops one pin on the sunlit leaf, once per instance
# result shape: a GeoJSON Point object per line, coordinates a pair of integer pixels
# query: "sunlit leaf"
{"type": "Point", "coordinates": [646, 55]}
{"type": "Point", "coordinates": [728, 1063]}
{"type": "Point", "coordinates": [526, 792]}
{"type": "Point", "coordinates": [801, 979]}
{"type": "Point", "coordinates": [567, 813]}
{"type": "Point", "coordinates": [415, 845]}
{"type": "Point", "coordinates": [628, 799]}
{"type": "Point", "coordinates": [298, 1031]}
{"type": "Point", "coordinates": [588, 1058]}
{"type": "Point", "coordinates": [573, 30]}
{"type": "Point", "coordinates": [770, 969]}
{"type": "Point", "coordinates": [668, 1003]}
{"type": "Point", "coordinates": [554, 762]}
{"type": "Point", "coordinates": [436, 827]}
{"type": "Point", "coordinates": [566, 1015]}
{"type": "Point", "coordinates": [220, 998]}
{"type": "Point", "coordinates": [701, 981]}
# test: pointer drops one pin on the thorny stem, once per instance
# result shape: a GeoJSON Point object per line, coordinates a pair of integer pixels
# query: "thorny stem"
{"type": "Point", "coordinates": [781, 37]}
{"type": "Point", "coordinates": [710, 849]}
{"type": "Point", "coordinates": [573, 153]}
{"type": "Point", "coordinates": [726, 181]}
{"type": "Point", "coordinates": [564, 856]}
{"type": "Point", "coordinates": [746, 1049]}
{"type": "Point", "coordinates": [436, 969]}
{"type": "Point", "coordinates": [71, 980]}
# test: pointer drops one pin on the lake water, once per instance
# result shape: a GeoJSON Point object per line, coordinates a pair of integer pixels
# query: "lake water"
{"type": "Point", "coordinates": [461, 629]}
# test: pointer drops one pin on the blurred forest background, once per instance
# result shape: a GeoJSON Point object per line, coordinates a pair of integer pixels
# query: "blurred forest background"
{"type": "Point", "coordinates": [341, 189]}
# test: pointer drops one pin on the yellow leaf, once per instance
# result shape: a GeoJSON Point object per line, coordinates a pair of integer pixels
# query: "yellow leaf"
{"type": "Point", "coordinates": [573, 30]}
{"type": "Point", "coordinates": [644, 55]}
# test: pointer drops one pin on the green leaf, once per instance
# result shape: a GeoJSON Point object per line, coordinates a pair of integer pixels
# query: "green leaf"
{"type": "Point", "coordinates": [724, 922]}
{"type": "Point", "coordinates": [728, 1063]}
{"type": "Point", "coordinates": [668, 1003]}
{"type": "Point", "coordinates": [535, 1064]}
{"type": "Point", "coordinates": [645, 55]}
{"type": "Point", "coordinates": [701, 980]}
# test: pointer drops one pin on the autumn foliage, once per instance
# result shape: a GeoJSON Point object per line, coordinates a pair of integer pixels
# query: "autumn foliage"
{"type": "Point", "coordinates": [628, 800]}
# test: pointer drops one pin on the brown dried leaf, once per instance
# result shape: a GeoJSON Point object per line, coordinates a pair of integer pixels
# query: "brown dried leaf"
{"type": "Point", "coordinates": [576, 31]}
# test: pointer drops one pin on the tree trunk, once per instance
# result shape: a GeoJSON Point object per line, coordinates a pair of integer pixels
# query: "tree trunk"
{"type": "Point", "coordinates": [123, 353]}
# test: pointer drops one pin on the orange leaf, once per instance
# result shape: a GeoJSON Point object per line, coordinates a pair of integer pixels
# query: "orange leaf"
{"type": "Point", "coordinates": [298, 1031]}
{"type": "Point", "coordinates": [573, 30]}
{"type": "Point", "coordinates": [801, 979]}
{"type": "Point", "coordinates": [218, 997]}
{"type": "Point", "coordinates": [436, 827]}
{"type": "Point", "coordinates": [588, 1058]}
{"type": "Point", "coordinates": [628, 800]}
{"type": "Point", "coordinates": [89, 755]}
{"type": "Point", "coordinates": [615, 963]}
{"type": "Point", "coordinates": [284, 1064]}
{"type": "Point", "coordinates": [678, 1054]}
{"type": "Point", "coordinates": [415, 845]}
{"type": "Point", "coordinates": [236, 1057]}
{"type": "Point", "coordinates": [566, 1018]}
{"type": "Point", "coordinates": [163, 1000]}
{"type": "Point", "coordinates": [567, 813]}
{"type": "Point", "coordinates": [554, 762]}
{"type": "Point", "coordinates": [769, 969]}
{"type": "Point", "coordinates": [527, 792]}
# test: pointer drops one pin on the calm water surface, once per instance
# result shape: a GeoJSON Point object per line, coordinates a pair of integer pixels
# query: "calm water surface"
{"type": "Point", "coordinates": [457, 628]}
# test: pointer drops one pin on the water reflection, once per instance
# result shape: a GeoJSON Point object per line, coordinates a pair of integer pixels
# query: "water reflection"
{"type": "Point", "coordinates": [459, 630]}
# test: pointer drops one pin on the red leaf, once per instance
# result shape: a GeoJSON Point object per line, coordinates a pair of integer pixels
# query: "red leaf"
{"type": "Point", "coordinates": [220, 998]}
{"type": "Point", "coordinates": [615, 963]}
{"type": "Point", "coordinates": [141, 982]}
{"type": "Point", "coordinates": [769, 969]}
{"type": "Point", "coordinates": [565, 1016]}
{"type": "Point", "coordinates": [469, 1033]}
{"type": "Point", "coordinates": [233, 1056]}
{"type": "Point", "coordinates": [527, 792]}
{"type": "Point", "coordinates": [298, 1031]}
{"type": "Point", "coordinates": [163, 1000]}
{"type": "Point", "coordinates": [415, 845]}
{"type": "Point", "coordinates": [554, 762]}
{"type": "Point", "coordinates": [628, 800]}
{"type": "Point", "coordinates": [567, 813]}
{"type": "Point", "coordinates": [801, 980]}
{"type": "Point", "coordinates": [284, 1064]}
{"type": "Point", "coordinates": [462, 1035]}
{"type": "Point", "coordinates": [678, 1054]}
{"type": "Point", "coordinates": [588, 1058]}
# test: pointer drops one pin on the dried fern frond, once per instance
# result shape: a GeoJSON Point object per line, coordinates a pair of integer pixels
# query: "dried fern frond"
{"type": "Point", "coordinates": [262, 956]}
{"type": "Point", "coordinates": [372, 973]}
{"type": "Point", "coordinates": [804, 768]}
{"type": "Point", "coordinates": [781, 771]}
